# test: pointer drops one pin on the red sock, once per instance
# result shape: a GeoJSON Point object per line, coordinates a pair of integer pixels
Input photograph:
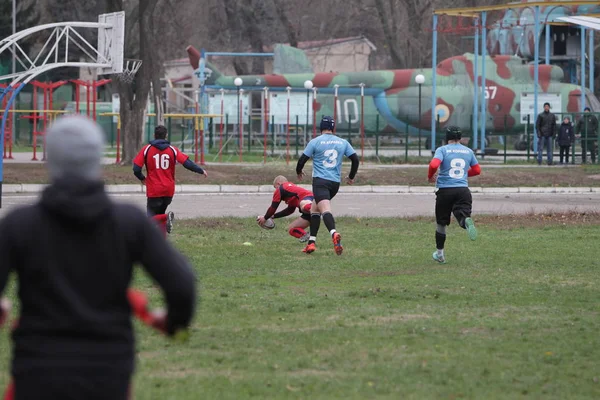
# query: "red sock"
{"type": "Point", "coordinates": [161, 219]}
{"type": "Point", "coordinates": [297, 232]}
{"type": "Point", "coordinates": [306, 208]}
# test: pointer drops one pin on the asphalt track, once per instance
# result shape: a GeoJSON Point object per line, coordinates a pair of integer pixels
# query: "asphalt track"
{"type": "Point", "coordinates": [190, 205]}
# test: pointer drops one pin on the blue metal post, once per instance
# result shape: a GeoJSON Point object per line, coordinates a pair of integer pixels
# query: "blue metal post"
{"type": "Point", "coordinates": [536, 70]}
{"type": "Point", "coordinates": [591, 60]}
{"type": "Point", "coordinates": [15, 92]}
{"type": "Point", "coordinates": [582, 65]}
{"type": "Point", "coordinates": [547, 43]}
{"type": "Point", "coordinates": [475, 86]}
{"type": "Point", "coordinates": [433, 80]}
{"type": "Point", "coordinates": [483, 83]}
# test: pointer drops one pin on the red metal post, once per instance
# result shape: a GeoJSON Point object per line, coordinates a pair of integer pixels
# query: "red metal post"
{"type": "Point", "coordinates": [46, 89]}
{"type": "Point", "coordinates": [87, 96]}
{"type": "Point", "coordinates": [94, 94]}
{"type": "Point", "coordinates": [35, 118]}
{"type": "Point", "coordinates": [77, 96]}
{"type": "Point", "coordinates": [2, 86]}
{"type": "Point", "coordinates": [201, 122]}
{"type": "Point", "coordinates": [335, 101]}
{"type": "Point", "coordinates": [287, 157]}
{"type": "Point", "coordinates": [8, 134]}
{"type": "Point", "coordinates": [196, 133]}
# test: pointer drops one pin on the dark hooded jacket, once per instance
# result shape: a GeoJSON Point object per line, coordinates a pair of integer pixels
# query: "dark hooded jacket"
{"type": "Point", "coordinates": [73, 253]}
{"type": "Point", "coordinates": [566, 134]}
{"type": "Point", "coordinates": [587, 126]}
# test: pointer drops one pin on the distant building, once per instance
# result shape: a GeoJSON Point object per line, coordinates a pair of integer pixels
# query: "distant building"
{"type": "Point", "coordinates": [350, 54]}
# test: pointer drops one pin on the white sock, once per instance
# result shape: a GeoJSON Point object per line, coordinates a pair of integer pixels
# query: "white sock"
{"type": "Point", "coordinates": [440, 253]}
{"type": "Point", "coordinates": [332, 232]}
{"type": "Point", "coordinates": [313, 238]}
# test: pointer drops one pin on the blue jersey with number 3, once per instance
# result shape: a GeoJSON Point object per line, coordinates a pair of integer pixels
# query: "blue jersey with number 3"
{"type": "Point", "coordinates": [327, 152]}
{"type": "Point", "coordinates": [456, 161]}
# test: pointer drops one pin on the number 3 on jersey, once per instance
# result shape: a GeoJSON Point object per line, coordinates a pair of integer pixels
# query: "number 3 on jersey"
{"type": "Point", "coordinates": [457, 170]}
{"type": "Point", "coordinates": [162, 161]}
{"type": "Point", "coordinates": [331, 161]}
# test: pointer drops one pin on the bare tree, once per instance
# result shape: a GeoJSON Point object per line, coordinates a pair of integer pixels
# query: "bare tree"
{"type": "Point", "coordinates": [290, 30]}
{"type": "Point", "coordinates": [134, 97]}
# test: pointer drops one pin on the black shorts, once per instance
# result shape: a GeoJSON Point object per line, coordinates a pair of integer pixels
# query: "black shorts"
{"type": "Point", "coordinates": [157, 205]}
{"type": "Point", "coordinates": [76, 385]}
{"type": "Point", "coordinates": [448, 201]}
{"type": "Point", "coordinates": [324, 189]}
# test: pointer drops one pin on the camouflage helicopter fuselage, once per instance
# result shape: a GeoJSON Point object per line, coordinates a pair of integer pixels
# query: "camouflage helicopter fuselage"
{"type": "Point", "coordinates": [394, 95]}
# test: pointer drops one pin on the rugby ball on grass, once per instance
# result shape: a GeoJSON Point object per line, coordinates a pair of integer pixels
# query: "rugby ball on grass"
{"type": "Point", "coordinates": [269, 224]}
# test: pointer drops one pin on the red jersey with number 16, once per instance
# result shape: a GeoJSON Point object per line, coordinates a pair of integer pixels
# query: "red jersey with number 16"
{"type": "Point", "coordinates": [160, 159]}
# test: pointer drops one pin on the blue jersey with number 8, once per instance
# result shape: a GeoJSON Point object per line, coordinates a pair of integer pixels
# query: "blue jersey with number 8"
{"type": "Point", "coordinates": [456, 161]}
{"type": "Point", "coordinates": [327, 152]}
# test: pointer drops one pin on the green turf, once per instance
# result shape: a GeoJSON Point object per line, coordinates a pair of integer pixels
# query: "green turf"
{"type": "Point", "coordinates": [512, 315]}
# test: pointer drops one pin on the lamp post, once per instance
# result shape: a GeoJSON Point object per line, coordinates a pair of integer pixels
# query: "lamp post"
{"type": "Point", "coordinates": [307, 85]}
{"type": "Point", "coordinates": [238, 82]}
{"type": "Point", "coordinates": [419, 79]}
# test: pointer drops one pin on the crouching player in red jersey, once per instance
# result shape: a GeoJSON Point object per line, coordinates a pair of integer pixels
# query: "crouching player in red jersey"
{"type": "Point", "coordinates": [160, 157]}
{"type": "Point", "coordinates": [295, 197]}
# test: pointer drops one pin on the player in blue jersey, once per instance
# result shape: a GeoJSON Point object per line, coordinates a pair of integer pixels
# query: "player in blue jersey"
{"type": "Point", "coordinates": [327, 152]}
{"type": "Point", "coordinates": [455, 162]}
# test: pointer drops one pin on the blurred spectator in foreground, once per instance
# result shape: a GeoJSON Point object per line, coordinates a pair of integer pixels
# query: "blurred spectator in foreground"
{"type": "Point", "coordinates": [73, 253]}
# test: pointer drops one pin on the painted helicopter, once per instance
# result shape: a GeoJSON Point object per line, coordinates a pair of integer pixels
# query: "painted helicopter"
{"type": "Point", "coordinates": [394, 94]}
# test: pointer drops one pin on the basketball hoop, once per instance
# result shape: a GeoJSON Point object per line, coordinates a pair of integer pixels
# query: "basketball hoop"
{"type": "Point", "coordinates": [130, 68]}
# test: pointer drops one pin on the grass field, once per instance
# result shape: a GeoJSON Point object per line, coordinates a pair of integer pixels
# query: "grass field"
{"type": "Point", "coordinates": [512, 315]}
{"type": "Point", "coordinates": [588, 175]}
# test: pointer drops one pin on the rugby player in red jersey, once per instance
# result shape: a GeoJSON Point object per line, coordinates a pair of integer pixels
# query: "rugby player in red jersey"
{"type": "Point", "coordinates": [160, 157]}
{"type": "Point", "coordinates": [295, 197]}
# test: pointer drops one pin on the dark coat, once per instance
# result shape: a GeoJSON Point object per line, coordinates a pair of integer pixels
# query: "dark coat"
{"type": "Point", "coordinates": [588, 123]}
{"type": "Point", "coordinates": [73, 253]}
{"type": "Point", "coordinates": [566, 134]}
{"type": "Point", "coordinates": [545, 124]}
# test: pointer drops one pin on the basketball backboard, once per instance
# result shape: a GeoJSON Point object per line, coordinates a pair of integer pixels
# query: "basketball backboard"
{"type": "Point", "coordinates": [111, 41]}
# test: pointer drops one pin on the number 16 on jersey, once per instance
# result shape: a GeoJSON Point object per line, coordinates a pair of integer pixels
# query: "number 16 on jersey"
{"type": "Point", "coordinates": [162, 161]}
